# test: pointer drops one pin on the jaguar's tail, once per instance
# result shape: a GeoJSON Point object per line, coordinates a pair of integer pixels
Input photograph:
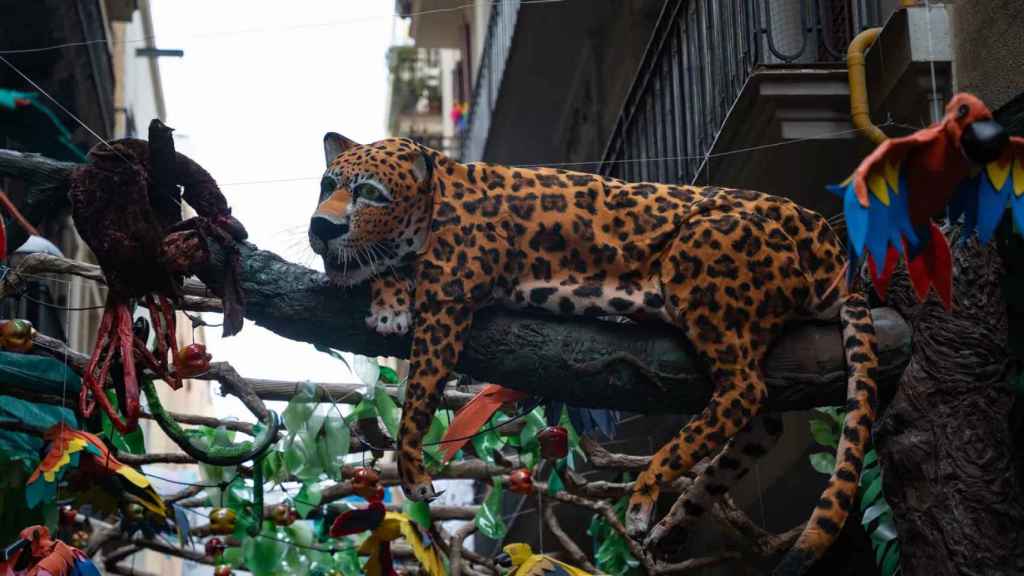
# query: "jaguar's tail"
{"type": "Point", "coordinates": [862, 398]}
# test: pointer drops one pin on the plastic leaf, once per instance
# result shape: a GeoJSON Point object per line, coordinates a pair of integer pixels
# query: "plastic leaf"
{"type": "Point", "coordinates": [388, 412]}
{"type": "Point", "coordinates": [333, 445]}
{"type": "Point", "coordinates": [891, 563]}
{"type": "Point", "coordinates": [388, 375]}
{"type": "Point", "coordinates": [431, 449]}
{"type": "Point", "coordinates": [367, 370]}
{"type": "Point", "coordinates": [823, 433]}
{"type": "Point", "coordinates": [263, 556]}
{"type": "Point", "coordinates": [486, 441]}
{"type": "Point", "coordinates": [870, 493]}
{"type": "Point", "coordinates": [132, 442]}
{"type": "Point", "coordinates": [555, 483]}
{"type": "Point", "coordinates": [307, 499]}
{"type": "Point", "coordinates": [870, 458]}
{"type": "Point", "coordinates": [365, 409]}
{"type": "Point", "coordinates": [823, 462]}
{"type": "Point", "coordinates": [300, 408]}
{"type": "Point", "coordinates": [233, 556]}
{"type": "Point", "coordinates": [488, 518]}
{"type": "Point", "coordinates": [418, 512]}
{"type": "Point", "coordinates": [874, 511]}
{"type": "Point", "coordinates": [300, 533]}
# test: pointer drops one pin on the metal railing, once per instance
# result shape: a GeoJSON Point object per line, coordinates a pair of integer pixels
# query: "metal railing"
{"type": "Point", "coordinates": [500, 31]}
{"type": "Point", "coordinates": [700, 56]}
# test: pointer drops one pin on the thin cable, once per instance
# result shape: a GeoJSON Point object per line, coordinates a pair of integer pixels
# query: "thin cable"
{"type": "Point", "coordinates": [705, 157]}
{"type": "Point", "coordinates": [61, 106]}
{"type": "Point", "coordinates": [279, 29]}
{"type": "Point", "coordinates": [58, 306]}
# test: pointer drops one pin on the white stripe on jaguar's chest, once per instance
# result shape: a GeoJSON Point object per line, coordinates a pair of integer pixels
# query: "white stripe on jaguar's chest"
{"type": "Point", "coordinates": [574, 299]}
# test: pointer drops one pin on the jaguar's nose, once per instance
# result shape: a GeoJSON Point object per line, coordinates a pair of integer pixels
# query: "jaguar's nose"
{"type": "Point", "coordinates": [326, 229]}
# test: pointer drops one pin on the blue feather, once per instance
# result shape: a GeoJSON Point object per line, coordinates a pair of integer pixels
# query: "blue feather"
{"type": "Point", "coordinates": [84, 567]}
{"type": "Point", "coordinates": [1017, 203]}
{"type": "Point", "coordinates": [856, 221]}
{"type": "Point", "coordinates": [880, 232]}
{"type": "Point", "coordinates": [991, 205]}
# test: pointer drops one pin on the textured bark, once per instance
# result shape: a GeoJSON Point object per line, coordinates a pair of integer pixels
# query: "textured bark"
{"type": "Point", "coordinates": [944, 440]}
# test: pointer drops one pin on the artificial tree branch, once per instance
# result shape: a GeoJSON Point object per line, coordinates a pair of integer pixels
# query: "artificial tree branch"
{"type": "Point", "coordinates": [575, 554]}
{"type": "Point", "coordinates": [455, 547]}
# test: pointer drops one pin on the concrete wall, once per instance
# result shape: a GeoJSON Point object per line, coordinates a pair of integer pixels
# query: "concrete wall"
{"type": "Point", "coordinates": [989, 49]}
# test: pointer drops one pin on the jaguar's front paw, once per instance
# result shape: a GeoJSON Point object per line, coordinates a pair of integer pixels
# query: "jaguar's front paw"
{"type": "Point", "coordinates": [388, 321]}
{"type": "Point", "coordinates": [416, 483]}
{"type": "Point", "coordinates": [640, 511]}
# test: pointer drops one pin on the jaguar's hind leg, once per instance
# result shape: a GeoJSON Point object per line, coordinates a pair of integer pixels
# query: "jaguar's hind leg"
{"type": "Point", "coordinates": [739, 393]}
{"type": "Point", "coordinates": [733, 463]}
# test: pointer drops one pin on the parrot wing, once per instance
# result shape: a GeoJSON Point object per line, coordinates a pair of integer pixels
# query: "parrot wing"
{"type": "Point", "coordinates": [63, 451]}
{"type": "Point", "coordinates": [982, 199]}
{"type": "Point", "coordinates": [426, 555]}
{"type": "Point", "coordinates": [888, 203]}
{"type": "Point", "coordinates": [539, 565]}
{"type": "Point", "coordinates": [475, 414]}
{"type": "Point", "coordinates": [356, 521]}
{"type": "Point", "coordinates": [102, 462]}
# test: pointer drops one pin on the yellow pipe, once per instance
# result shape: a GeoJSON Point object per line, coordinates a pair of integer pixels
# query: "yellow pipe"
{"type": "Point", "coordinates": [859, 111]}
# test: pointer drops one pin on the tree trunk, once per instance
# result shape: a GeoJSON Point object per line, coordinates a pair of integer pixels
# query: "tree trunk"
{"type": "Point", "coordinates": [944, 440]}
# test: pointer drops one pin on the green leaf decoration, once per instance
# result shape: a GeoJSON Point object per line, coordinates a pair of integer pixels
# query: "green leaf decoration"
{"type": "Point", "coordinates": [388, 375]}
{"type": "Point", "coordinates": [132, 443]}
{"type": "Point", "coordinates": [274, 468]}
{"type": "Point", "coordinates": [874, 511]}
{"type": "Point", "coordinates": [611, 552]}
{"type": "Point", "coordinates": [418, 512]}
{"type": "Point", "coordinates": [488, 518]}
{"type": "Point", "coordinates": [555, 484]}
{"type": "Point", "coordinates": [300, 408]}
{"type": "Point", "coordinates": [307, 499]}
{"type": "Point", "coordinates": [824, 462]}
{"type": "Point", "coordinates": [25, 448]}
{"type": "Point", "coordinates": [891, 562]}
{"type": "Point", "coordinates": [233, 556]}
{"type": "Point", "coordinates": [871, 458]}
{"type": "Point", "coordinates": [365, 409]}
{"type": "Point", "coordinates": [823, 433]}
{"type": "Point", "coordinates": [486, 441]}
{"type": "Point", "coordinates": [432, 451]}
{"type": "Point", "coordinates": [301, 533]}
{"type": "Point", "coordinates": [333, 445]}
{"type": "Point", "coordinates": [870, 493]}
{"type": "Point", "coordinates": [885, 531]}
{"type": "Point", "coordinates": [264, 554]}
{"type": "Point", "coordinates": [347, 560]}
{"type": "Point", "coordinates": [388, 412]}
{"type": "Point", "coordinates": [367, 370]}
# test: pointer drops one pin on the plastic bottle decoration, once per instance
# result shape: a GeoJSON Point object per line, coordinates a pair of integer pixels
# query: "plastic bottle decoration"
{"type": "Point", "coordinates": [521, 482]}
{"type": "Point", "coordinates": [34, 553]}
{"type": "Point", "coordinates": [222, 521]}
{"type": "Point", "coordinates": [191, 361]}
{"type": "Point", "coordinates": [215, 547]}
{"type": "Point", "coordinates": [16, 335]}
{"type": "Point", "coordinates": [554, 442]}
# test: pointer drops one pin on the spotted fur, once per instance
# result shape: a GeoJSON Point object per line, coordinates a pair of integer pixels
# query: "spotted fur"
{"type": "Point", "coordinates": [439, 240]}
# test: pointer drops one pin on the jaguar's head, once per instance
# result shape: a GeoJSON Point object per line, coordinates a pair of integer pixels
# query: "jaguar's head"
{"type": "Point", "coordinates": [374, 208]}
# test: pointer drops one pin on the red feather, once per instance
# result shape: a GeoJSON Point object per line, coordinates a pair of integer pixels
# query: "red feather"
{"type": "Point", "coordinates": [881, 281]}
{"type": "Point", "coordinates": [474, 415]}
{"type": "Point", "coordinates": [933, 266]}
{"type": "Point", "coordinates": [356, 521]}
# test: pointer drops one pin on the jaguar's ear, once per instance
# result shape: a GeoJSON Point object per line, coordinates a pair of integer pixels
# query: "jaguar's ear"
{"type": "Point", "coordinates": [335, 144]}
{"type": "Point", "coordinates": [422, 167]}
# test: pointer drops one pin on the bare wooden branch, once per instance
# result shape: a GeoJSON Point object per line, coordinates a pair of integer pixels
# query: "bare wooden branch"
{"type": "Point", "coordinates": [455, 548]}
{"type": "Point", "coordinates": [575, 554]}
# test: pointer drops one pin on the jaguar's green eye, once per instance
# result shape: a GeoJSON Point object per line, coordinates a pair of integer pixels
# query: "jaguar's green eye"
{"type": "Point", "coordinates": [368, 192]}
{"type": "Point", "coordinates": [327, 185]}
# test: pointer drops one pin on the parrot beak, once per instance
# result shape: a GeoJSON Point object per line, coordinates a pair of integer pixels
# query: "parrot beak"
{"type": "Point", "coordinates": [984, 141]}
{"type": "Point", "coordinates": [13, 550]}
{"type": "Point", "coordinates": [503, 560]}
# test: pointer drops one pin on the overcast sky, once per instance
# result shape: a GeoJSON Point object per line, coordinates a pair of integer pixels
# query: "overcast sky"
{"type": "Point", "coordinates": [259, 85]}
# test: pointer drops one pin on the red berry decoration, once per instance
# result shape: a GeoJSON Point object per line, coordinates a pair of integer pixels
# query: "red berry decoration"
{"type": "Point", "coordinates": [16, 335]}
{"type": "Point", "coordinates": [67, 516]}
{"type": "Point", "coordinates": [222, 570]}
{"type": "Point", "coordinates": [554, 442]}
{"type": "Point", "coordinates": [192, 360]}
{"type": "Point", "coordinates": [215, 547]}
{"type": "Point", "coordinates": [365, 482]}
{"type": "Point", "coordinates": [520, 481]}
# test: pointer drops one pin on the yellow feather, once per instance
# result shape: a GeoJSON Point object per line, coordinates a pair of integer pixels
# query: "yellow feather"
{"type": "Point", "coordinates": [877, 184]}
{"type": "Point", "coordinates": [133, 476]}
{"type": "Point", "coordinates": [1018, 176]}
{"type": "Point", "coordinates": [74, 445]}
{"type": "Point", "coordinates": [892, 176]}
{"type": "Point", "coordinates": [998, 173]}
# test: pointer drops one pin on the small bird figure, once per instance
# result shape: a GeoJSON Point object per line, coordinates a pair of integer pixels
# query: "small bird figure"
{"type": "Point", "coordinates": [522, 561]}
{"type": "Point", "coordinates": [91, 469]}
{"type": "Point", "coordinates": [967, 162]}
{"type": "Point", "coordinates": [35, 554]}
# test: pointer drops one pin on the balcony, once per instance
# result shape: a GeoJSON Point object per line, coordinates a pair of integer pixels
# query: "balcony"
{"type": "Point", "coordinates": [501, 27]}
{"type": "Point", "coordinates": [725, 75]}
{"type": "Point", "coordinates": [435, 23]}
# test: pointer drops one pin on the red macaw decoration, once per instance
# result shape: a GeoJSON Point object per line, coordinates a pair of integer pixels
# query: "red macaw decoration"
{"type": "Point", "coordinates": [45, 557]}
{"type": "Point", "coordinates": [96, 468]}
{"type": "Point", "coordinates": [890, 199]}
{"type": "Point", "coordinates": [475, 414]}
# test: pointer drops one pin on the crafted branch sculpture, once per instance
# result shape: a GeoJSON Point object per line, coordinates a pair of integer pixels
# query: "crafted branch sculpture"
{"type": "Point", "coordinates": [127, 208]}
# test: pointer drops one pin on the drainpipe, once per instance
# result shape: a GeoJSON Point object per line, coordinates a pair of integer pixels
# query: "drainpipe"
{"type": "Point", "coordinates": [859, 111]}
